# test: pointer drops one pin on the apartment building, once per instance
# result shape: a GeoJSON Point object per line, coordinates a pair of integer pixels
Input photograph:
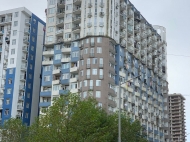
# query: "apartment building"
{"type": "Point", "coordinates": [92, 47]}
{"type": "Point", "coordinates": [177, 117]}
{"type": "Point", "coordinates": [21, 46]}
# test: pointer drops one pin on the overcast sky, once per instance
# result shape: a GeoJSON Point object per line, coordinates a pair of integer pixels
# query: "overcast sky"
{"type": "Point", "coordinates": [173, 15]}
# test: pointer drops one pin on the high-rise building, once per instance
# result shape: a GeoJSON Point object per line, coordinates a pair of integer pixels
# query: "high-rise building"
{"type": "Point", "coordinates": [21, 46]}
{"type": "Point", "coordinates": [92, 47]}
{"type": "Point", "coordinates": [177, 117]}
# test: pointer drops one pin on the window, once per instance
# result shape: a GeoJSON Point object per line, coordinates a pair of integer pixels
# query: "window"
{"type": "Point", "coordinates": [81, 73]}
{"type": "Point", "coordinates": [88, 72]}
{"type": "Point", "coordinates": [58, 57]}
{"type": "Point", "coordinates": [7, 112]}
{"type": "Point", "coordinates": [56, 87]}
{"type": "Point", "coordinates": [47, 78]}
{"type": "Point", "coordinates": [31, 66]}
{"type": "Point", "coordinates": [10, 81]}
{"type": "Point", "coordinates": [66, 66]}
{"type": "Point", "coordinates": [99, 40]}
{"type": "Point", "coordinates": [84, 94]}
{"type": "Point", "coordinates": [58, 47]}
{"type": "Point", "coordinates": [101, 72]}
{"type": "Point", "coordinates": [51, 10]}
{"type": "Point", "coordinates": [9, 91]}
{"type": "Point", "coordinates": [30, 76]}
{"type": "Point", "coordinates": [86, 50]}
{"type": "Point", "coordinates": [85, 83]}
{"type": "Point", "coordinates": [74, 86]}
{"type": "Point", "coordinates": [12, 51]}
{"type": "Point", "coordinates": [15, 23]}
{"type": "Point", "coordinates": [51, 2]}
{"type": "Point", "coordinates": [87, 40]}
{"type": "Point", "coordinates": [101, 61]}
{"type": "Point", "coordinates": [12, 61]}
{"type": "Point", "coordinates": [50, 29]}
{"type": "Point", "coordinates": [94, 71]}
{"type": "Point", "coordinates": [31, 57]}
{"type": "Point", "coordinates": [65, 76]}
{"type": "Point", "coordinates": [28, 95]}
{"type": "Point", "coordinates": [49, 38]}
{"type": "Point", "coordinates": [14, 32]}
{"type": "Point", "coordinates": [98, 94]}
{"type": "Point", "coordinates": [14, 42]}
{"type": "Point", "coordinates": [68, 16]}
{"type": "Point", "coordinates": [26, 115]}
{"type": "Point", "coordinates": [98, 82]}
{"type": "Point", "coordinates": [16, 14]}
{"type": "Point", "coordinates": [32, 48]}
{"type": "Point", "coordinates": [10, 71]}
{"type": "Point", "coordinates": [99, 49]}
{"type": "Point", "coordinates": [75, 54]}
{"type": "Point", "coordinates": [29, 85]}
{"type": "Point", "coordinates": [82, 62]}
{"type": "Point", "coordinates": [91, 83]}
{"type": "Point", "coordinates": [67, 35]}
{"type": "Point", "coordinates": [47, 68]}
{"type": "Point", "coordinates": [69, 7]}
{"type": "Point", "coordinates": [27, 105]}
{"type": "Point", "coordinates": [100, 104]}
{"type": "Point", "coordinates": [34, 30]}
{"type": "Point", "coordinates": [92, 50]}
{"type": "Point", "coordinates": [68, 26]}
{"type": "Point", "coordinates": [33, 38]}
{"type": "Point", "coordinates": [7, 101]}
{"type": "Point", "coordinates": [95, 61]}
{"type": "Point", "coordinates": [51, 20]}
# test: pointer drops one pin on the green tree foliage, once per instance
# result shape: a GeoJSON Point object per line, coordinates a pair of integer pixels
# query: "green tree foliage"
{"type": "Point", "coordinates": [13, 131]}
{"type": "Point", "coordinates": [71, 119]}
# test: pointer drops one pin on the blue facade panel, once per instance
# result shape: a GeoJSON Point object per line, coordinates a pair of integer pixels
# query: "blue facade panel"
{"type": "Point", "coordinates": [8, 85]}
{"type": "Point", "coordinates": [63, 92]}
{"type": "Point", "coordinates": [45, 94]}
{"type": "Point", "coordinates": [44, 104]}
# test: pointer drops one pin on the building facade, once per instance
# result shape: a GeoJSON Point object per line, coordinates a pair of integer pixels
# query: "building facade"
{"type": "Point", "coordinates": [92, 47]}
{"type": "Point", "coordinates": [177, 117]}
{"type": "Point", "coordinates": [21, 45]}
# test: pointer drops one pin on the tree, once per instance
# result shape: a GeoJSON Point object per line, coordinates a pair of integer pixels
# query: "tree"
{"type": "Point", "coordinates": [71, 119]}
{"type": "Point", "coordinates": [13, 131]}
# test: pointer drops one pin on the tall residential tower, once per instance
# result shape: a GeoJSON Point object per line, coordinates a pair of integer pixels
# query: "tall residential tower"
{"type": "Point", "coordinates": [177, 117]}
{"type": "Point", "coordinates": [21, 45]}
{"type": "Point", "coordinates": [92, 46]}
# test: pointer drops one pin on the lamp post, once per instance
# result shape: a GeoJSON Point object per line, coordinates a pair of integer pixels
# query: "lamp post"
{"type": "Point", "coordinates": [119, 117]}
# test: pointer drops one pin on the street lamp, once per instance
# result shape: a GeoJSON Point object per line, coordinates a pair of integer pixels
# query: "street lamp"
{"type": "Point", "coordinates": [119, 117]}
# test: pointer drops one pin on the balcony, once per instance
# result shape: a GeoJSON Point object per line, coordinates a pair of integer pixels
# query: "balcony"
{"type": "Point", "coordinates": [27, 31]}
{"type": "Point", "coordinates": [60, 13]}
{"type": "Point", "coordinates": [20, 107]}
{"type": "Point", "coordinates": [101, 5]}
{"type": "Point", "coordinates": [21, 98]}
{"type": "Point", "coordinates": [46, 93]}
{"type": "Point", "coordinates": [66, 50]}
{"type": "Point", "coordinates": [76, 19]}
{"type": "Point", "coordinates": [60, 22]}
{"type": "Point", "coordinates": [44, 104]}
{"type": "Point", "coordinates": [76, 29]}
{"type": "Point", "coordinates": [63, 60]}
{"type": "Point", "coordinates": [101, 24]}
{"type": "Point", "coordinates": [57, 71]}
{"type": "Point", "coordinates": [130, 49]}
{"type": "Point", "coordinates": [22, 77]}
{"type": "Point", "coordinates": [57, 81]}
{"type": "Point", "coordinates": [26, 40]}
{"type": "Point", "coordinates": [61, 4]}
{"type": "Point", "coordinates": [47, 62]}
{"type": "Point", "coordinates": [73, 69]}
{"type": "Point", "coordinates": [1, 32]}
{"type": "Point", "coordinates": [89, 25]}
{"type": "Point", "coordinates": [48, 52]}
{"type": "Point", "coordinates": [102, 14]}
{"type": "Point", "coordinates": [59, 32]}
{"type": "Point", "coordinates": [25, 48]}
{"type": "Point", "coordinates": [74, 78]}
{"type": "Point", "coordinates": [1, 96]}
{"type": "Point", "coordinates": [77, 10]}
{"type": "Point", "coordinates": [23, 67]}
{"type": "Point", "coordinates": [27, 22]}
{"type": "Point", "coordinates": [63, 92]}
